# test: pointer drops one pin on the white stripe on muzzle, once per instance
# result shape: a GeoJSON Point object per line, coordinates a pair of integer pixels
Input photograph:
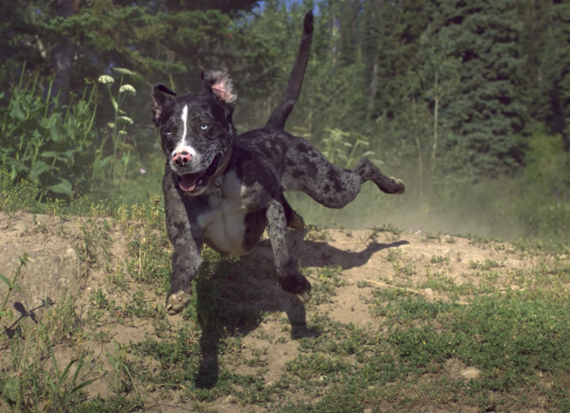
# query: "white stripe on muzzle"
{"type": "Point", "coordinates": [183, 145]}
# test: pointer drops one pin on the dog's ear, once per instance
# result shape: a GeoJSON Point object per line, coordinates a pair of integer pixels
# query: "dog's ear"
{"type": "Point", "coordinates": [220, 86]}
{"type": "Point", "coordinates": [159, 100]}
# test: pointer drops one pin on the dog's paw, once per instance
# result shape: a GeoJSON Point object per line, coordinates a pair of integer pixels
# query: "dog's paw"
{"type": "Point", "coordinates": [177, 302]}
{"type": "Point", "coordinates": [303, 297]}
{"type": "Point", "coordinates": [400, 185]}
{"type": "Point", "coordinates": [298, 286]}
{"type": "Point", "coordinates": [297, 222]}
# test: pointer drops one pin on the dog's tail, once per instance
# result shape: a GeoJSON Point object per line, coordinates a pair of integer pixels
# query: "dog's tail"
{"type": "Point", "coordinates": [291, 94]}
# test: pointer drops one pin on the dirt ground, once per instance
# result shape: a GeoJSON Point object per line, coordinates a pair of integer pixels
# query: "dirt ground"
{"type": "Point", "coordinates": [368, 260]}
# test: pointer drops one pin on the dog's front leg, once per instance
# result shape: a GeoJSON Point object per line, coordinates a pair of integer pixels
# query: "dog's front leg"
{"type": "Point", "coordinates": [185, 234]}
{"type": "Point", "coordinates": [287, 270]}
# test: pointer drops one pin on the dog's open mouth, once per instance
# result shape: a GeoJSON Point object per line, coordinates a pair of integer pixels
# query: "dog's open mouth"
{"type": "Point", "coordinates": [192, 182]}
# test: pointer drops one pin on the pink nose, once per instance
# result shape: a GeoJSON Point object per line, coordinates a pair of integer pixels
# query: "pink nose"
{"type": "Point", "coordinates": [181, 158]}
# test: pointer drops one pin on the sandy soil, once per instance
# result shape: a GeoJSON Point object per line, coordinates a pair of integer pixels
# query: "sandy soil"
{"type": "Point", "coordinates": [368, 260]}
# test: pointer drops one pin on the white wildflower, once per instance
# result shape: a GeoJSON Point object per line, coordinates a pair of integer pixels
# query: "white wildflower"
{"type": "Point", "coordinates": [106, 79]}
{"type": "Point", "coordinates": [124, 71]}
{"type": "Point", "coordinates": [129, 89]}
{"type": "Point", "coordinates": [126, 119]}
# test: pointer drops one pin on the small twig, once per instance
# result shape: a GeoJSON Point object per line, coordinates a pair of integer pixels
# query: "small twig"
{"type": "Point", "coordinates": [132, 381]}
{"type": "Point", "coordinates": [393, 286]}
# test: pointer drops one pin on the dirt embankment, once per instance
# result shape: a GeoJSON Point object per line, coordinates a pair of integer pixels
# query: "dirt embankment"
{"type": "Point", "coordinates": [96, 262]}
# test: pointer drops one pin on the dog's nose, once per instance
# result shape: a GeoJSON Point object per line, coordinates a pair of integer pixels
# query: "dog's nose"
{"type": "Point", "coordinates": [181, 158]}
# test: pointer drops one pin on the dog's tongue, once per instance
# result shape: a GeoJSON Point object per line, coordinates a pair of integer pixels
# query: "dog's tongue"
{"type": "Point", "coordinates": [188, 182]}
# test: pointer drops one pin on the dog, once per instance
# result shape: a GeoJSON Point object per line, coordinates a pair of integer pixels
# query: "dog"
{"type": "Point", "coordinates": [223, 190]}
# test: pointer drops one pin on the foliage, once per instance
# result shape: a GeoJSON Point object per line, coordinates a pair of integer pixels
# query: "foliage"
{"type": "Point", "coordinates": [491, 112]}
{"type": "Point", "coordinates": [45, 142]}
{"type": "Point", "coordinates": [10, 284]}
{"type": "Point", "coordinates": [449, 96]}
{"type": "Point", "coordinates": [116, 146]}
{"type": "Point", "coordinates": [344, 151]}
{"type": "Point", "coordinates": [164, 40]}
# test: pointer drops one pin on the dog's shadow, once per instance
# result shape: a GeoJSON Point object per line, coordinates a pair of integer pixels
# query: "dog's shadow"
{"type": "Point", "coordinates": [234, 295]}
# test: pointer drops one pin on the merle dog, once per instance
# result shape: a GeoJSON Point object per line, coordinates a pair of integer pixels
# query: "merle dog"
{"type": "Point", "coordinates": [224, 190]}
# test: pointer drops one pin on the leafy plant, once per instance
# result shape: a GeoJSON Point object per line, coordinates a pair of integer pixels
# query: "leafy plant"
{"type": "Point", "coordinates": [63, 389]}
{"type": "Point", "coordinates": [344, 151]}
{"type": "Point", "coordinates": [112, 163]}
{"type": "Point", "coordinates": [45, 142]}
{"type": "Point", "coordinates": [11, 285]}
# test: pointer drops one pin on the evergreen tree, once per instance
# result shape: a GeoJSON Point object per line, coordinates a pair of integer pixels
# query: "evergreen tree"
{"type": "Point", "coordinates": [22, 41]}
{"type": "Point", "coordinates": [369, 46]}
{"type": "Point", "coordinates": [348, 13]}
{"type": "Point", "coordinates": [533, 41]}
{"type": "Point", "coordinates": [555, 67]}
{"type": "Point", "coordinates": [155, 38]}
{"type": "Point", "coordinates": [401, 24]}
{"type": "Point", "coordinates": [491, 111]}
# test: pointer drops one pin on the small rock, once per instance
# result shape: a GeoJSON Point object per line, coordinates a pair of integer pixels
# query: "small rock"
{"type": "Point", "coordinates": [428, 293]}
{"type": "Point", "coordinates": [49, 272]}
{"type": "Point", "coordinates": [470, 373]}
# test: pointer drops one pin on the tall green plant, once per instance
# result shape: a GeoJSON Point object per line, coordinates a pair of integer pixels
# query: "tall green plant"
{"type": "Point", "coordinates": [11, 285]}
{"type": "Point", "coordinates": [344, 150]}
{"type": "Point", "coordinates": [116, 146]}
{"type": "Point", "coordinates": [45, 142]}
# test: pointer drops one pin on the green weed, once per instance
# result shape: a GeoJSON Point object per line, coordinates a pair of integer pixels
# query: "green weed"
{"type": "Point", "coordinates": [440, 259]}
{"type": "Point", "coordinates": [45, 142]}
{"type": "Point", "coordinates": [11, 286]}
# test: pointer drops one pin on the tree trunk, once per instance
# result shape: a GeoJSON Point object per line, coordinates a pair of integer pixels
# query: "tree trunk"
{"type": "Point", "coordinates": [62, 54]}
{"type": "Point", "coordinates": [435, 122]}
{"type": "Point", "coordinates": [419, 148]}
{"type": "Point", "coordinates": [371, 92]}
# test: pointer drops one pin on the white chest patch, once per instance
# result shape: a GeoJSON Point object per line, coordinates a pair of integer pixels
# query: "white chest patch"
{"type": "Point", "coordinates": [225, 228]}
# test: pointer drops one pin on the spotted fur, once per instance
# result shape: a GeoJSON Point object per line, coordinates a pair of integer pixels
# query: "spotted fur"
{"type": "Point", "coordinates": [232, 187]}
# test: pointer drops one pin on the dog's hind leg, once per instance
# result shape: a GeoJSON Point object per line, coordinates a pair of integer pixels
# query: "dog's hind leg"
{"type": "Point", "coordinates": [287, 271]}
{"type": "Point", "coordinates": [309, 171]}
{"type": "Point", "coordinates": [294, 220]}
{"type": "Point", "coordinates": [368, 172]}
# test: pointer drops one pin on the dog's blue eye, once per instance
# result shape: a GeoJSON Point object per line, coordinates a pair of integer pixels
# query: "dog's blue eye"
{"type": "Point", "coordinates": [203, 126]}
{"type": "Point", "coordinates": [168, 132]}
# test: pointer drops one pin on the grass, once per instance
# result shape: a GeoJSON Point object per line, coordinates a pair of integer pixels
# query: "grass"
{"type": "Point", "coordinates": [510, 324]}
{"type": "Point", "coordinates": [11, 285]}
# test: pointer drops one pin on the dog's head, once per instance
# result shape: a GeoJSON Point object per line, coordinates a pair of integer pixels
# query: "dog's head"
{"type": "Point", "coordinates": [197, 130]}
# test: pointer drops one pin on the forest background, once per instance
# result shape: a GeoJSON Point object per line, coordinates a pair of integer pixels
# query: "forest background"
{"type": "Point", "coordinates": [468, 101]}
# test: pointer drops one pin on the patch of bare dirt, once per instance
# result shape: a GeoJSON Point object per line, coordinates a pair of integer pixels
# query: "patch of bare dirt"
{"type": "Point", "coordinates": [367, 260]}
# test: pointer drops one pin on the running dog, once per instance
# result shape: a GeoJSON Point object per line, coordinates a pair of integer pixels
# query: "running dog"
{"type": "Point", "coordinates": [223, 190]}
